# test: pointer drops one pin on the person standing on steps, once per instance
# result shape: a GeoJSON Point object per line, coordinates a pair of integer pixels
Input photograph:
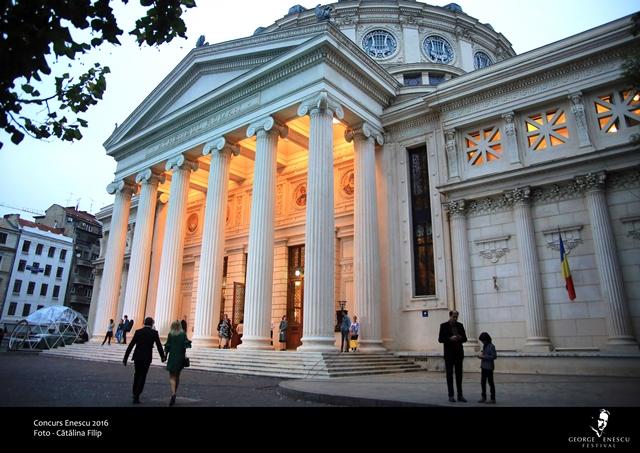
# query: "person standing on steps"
{"type": "Point", "coordinates": [452, 336]}
{"type": "Point", "coordinates": [345, 325]}
{"type": "Point", "coordinates": [143, 340]}
{"type": "Point", "coordinates": [284, 325]}
{"type": "Point", "coordinates": [109, 334]}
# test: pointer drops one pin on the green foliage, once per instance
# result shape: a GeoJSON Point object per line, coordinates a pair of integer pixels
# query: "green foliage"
{"type": "Point", "coordinates": [32, 30]}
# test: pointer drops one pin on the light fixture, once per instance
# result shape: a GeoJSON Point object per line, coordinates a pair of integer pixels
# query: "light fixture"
{"type": "Point", "coordinates": [299, 272]}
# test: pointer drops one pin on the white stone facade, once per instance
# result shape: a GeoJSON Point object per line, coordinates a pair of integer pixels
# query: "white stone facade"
{"type": "Point", "coordinates": [528, 148]}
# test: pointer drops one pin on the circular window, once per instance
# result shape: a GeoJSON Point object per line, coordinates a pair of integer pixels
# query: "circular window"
{"type": "Point", "coordinates": [379, 44]}
{"type": "Point", "coordinates": [481, 60]}
{"type": "Point", "coordinates": [438, 49]}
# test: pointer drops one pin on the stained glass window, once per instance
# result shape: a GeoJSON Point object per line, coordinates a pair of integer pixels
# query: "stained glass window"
{"type": "Point", "coordinates": [424, 274]}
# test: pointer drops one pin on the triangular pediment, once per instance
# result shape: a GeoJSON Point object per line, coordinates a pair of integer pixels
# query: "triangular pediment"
{"type": "Point", "coordinates": [218, 83]}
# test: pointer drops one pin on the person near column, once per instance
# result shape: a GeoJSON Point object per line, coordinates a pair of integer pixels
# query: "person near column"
{"type": "Point", "coordinates": [354, 332]}
{"type": "Point", "coordinates": [126, 328]}
{"type": "Point", "coordinates": [487, 356]}
{"type": "Point", "coordinates": [183, 324]}
{"type": "Point", "coordinates": [119, 331]}
{"type": "Point", "coordinates": [109, 334]}
{"type": "Point", "coordinates": [240, 330]}
{"type": "Point", "coordinates": [224, 331]}
{"type": "Point", "coordinates": [143, 340]}
{"type": "Point", "coordinates": [284, 325]}
{"type": "Point", "coordinates": [175, 350]}
{"type": "Point", "coordinates": [452, 336]}
{"type": "Point", "coordinates": [345, 325]}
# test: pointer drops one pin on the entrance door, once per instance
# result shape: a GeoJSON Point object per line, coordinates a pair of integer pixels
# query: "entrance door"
{"type": "Point", "coordinates": [295, 296]}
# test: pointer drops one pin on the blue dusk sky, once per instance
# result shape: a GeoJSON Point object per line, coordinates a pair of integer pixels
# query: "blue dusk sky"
{"type": "Point", "coordinates": [36, 174]}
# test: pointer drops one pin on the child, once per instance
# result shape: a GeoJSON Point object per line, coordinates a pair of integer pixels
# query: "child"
{"type": "Point", "coordinates": [488, 356]}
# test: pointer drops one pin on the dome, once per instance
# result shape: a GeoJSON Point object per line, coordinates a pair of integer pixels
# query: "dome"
{"type": "Point", "coordinates": [296, 9]}
{"type": "Point", "coordinates": [454, 7]}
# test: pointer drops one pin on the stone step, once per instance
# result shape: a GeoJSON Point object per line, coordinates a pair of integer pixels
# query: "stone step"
{"type": "Point", "coordinates": [284, 364]}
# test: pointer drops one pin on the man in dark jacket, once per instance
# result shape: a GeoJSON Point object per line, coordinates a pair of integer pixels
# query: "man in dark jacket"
{"type": "Point", "coordinates": [126, 327]}
{"type": "Point", "coordinates": [452, 335]}
{"type": "Point", "coordinates": [143, 340]}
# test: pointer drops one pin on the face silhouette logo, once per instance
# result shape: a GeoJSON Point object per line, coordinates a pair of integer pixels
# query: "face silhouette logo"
{"type": "Point", "coordinates": [600, 422]}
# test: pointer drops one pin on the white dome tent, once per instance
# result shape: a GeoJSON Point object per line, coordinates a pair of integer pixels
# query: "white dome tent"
{"type": "Point", "coordinates": [48, 328]}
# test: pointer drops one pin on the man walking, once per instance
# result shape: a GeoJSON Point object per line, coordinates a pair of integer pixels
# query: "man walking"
{"type": "Point", "coordinates": [143, 339]}
{"type": "Point", "coordinates": [452, 336]}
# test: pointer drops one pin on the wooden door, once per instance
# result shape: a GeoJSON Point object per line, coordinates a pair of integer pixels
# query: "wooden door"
{"type": "Point", "coordinates": [295, 296]}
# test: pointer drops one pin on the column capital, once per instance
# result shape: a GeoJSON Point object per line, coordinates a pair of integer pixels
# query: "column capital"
{"type": "Point", "coordinates": [591, 181]}
{"type": "Point", "coordinates": [364, 132]}
{"type": "Point", "coordinates": [121, 185]}
{"type": "Point", "coordinates": [149, 176]}
{"type": "Point", "coordinates": [321, 101]}
{"type": "Point", "coordinates": [179, 162]}
{"type": "Point", "coordinates": [518, 196]}
{"type": "Point", "coordinates": [221, 145]}
{"type": "Point", "coordinates": [267, 124]}
{"type": "Point", "coordinates": [456, 207]}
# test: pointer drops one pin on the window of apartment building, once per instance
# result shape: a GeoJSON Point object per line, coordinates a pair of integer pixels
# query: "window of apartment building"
{"type": "Point", "coordinates": [31, 287]}
{"type": "Point", "coordinates": [43, 289]}
{"type": "Point", "coordinates": [56, 291]}
{"type": "Point", "coordinates": [73, 290]}
{"type": "Point", "coordinates": [26, 245]}
{"type": "Point", "coordinates": [423, 264]}
{"type": "Point", "coordinates": [21, 265]}
{"type": "Point", "coordinates": [63, 254]}
{"type": "Point", "coordinates": [17, 286]}
{"type": "Point", "coordinates": [39, 248]}
{"type": "Point", "coordinates": [3, 238]}
{"type": "Point", "coordinates": [26, 309]}
{"type": "Point", "coordinates": [40, 307]}
{"type": "Point", "coordinates": [52, 251]}
{"type": "Point", "coordinates": [59, 272]}
{"type": "Point", "coordinates": [13, 306]}
{"type": "Point", "coordinates": [47, 270]}
{"type": "Point", "coordinates": [436, 78]}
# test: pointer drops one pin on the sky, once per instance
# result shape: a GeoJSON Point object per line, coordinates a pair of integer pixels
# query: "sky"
{"type": "Point", "coordinates": [36, 174]}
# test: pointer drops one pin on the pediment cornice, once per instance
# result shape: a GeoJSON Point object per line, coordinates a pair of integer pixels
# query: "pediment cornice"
{"type": "Point", "coordinates": [243, 94]}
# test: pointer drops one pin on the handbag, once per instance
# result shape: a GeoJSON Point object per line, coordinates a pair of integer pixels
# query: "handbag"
{"type": "Point", "coordinates": [186, 363]}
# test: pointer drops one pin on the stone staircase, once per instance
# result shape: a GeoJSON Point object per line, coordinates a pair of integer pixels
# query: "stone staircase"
{"type": "Point", "coordinates": [284, 364]}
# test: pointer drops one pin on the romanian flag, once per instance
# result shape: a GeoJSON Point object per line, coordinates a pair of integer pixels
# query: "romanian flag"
{"type": "Point", "coordinates": [566, 272]}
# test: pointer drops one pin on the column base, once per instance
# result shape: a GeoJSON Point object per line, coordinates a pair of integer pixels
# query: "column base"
{"type": "Point", "coordinates": [371, 347]}
{"type": "Point", "coordinates": [537, 344]}
{"type": "Point", "coordinates": [625, 345]}
{"type": "Point", "coordinates": [205, 342]}
{"type": "Point", "coordinates": [318, 344]}
{"type": "Point", "coordinates": [256, 343]}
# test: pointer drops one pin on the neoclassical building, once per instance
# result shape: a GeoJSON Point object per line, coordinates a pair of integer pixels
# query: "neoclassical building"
{"type": "Point", "coordinates": [390, 157]}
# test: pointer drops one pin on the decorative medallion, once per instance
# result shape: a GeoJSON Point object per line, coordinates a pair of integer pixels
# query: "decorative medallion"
{"type": "Point", "coordinates": [438, 49]}
{"type": "Point", "coordinates": [347, 183]}
{"type": "Point", "coordinates": [192, 223]}
{"type": "Point", "coordinates": [379, 44]}
{"type": "Point", "coordinates": [300, 195]}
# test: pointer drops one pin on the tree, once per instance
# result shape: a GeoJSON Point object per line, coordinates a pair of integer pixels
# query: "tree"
{"type": "Point", "coordinates": [32, 32]}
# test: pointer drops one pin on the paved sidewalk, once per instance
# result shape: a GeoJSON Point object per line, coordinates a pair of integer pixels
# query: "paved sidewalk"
{"type": "Point", "coordinates": [430, 389]}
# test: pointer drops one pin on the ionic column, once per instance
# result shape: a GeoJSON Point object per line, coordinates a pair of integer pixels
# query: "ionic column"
{"type": "Point", "coordinates": [462, 286]}
{"type": "Point", "coordinates": [537, 337]}
{"type": "Point", "coordinates": [619, 329]}
{"type": "Point", "coordinates": [366, 258]}
{"type": "Point", "coordinates": [212, 255]}
{"type": "Point", "coordinates": [114, 257]}
{"type": "Point", "coordinates": [317, 333]}
{"type": "Point", "coordinates": [170, 277]}
{"type": "Point", "coordinates": [258, 292]}
{"type": "Point", "coordinates": [138, 279]}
